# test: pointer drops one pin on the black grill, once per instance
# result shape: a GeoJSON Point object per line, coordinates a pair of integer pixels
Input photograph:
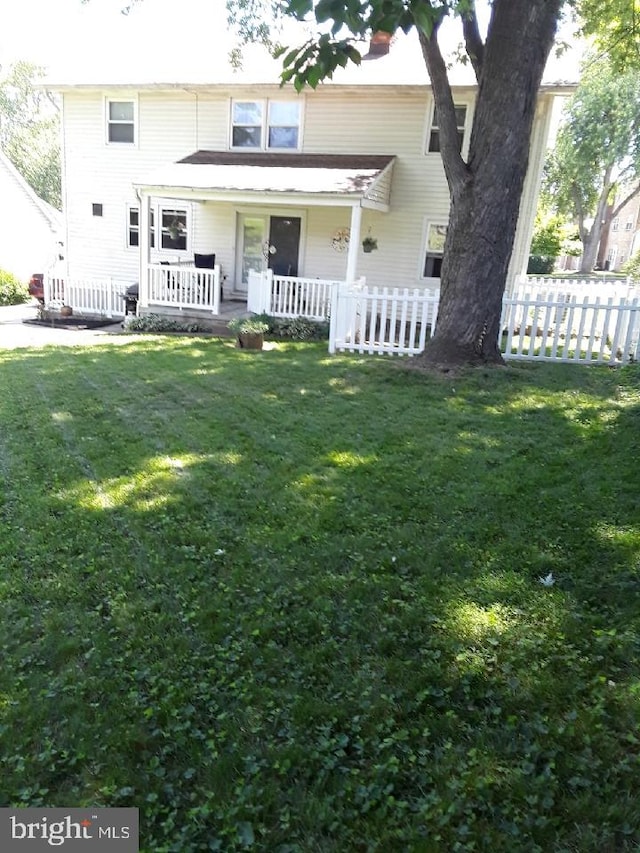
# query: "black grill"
{"type": "Point", "coordinates": [130, 297]}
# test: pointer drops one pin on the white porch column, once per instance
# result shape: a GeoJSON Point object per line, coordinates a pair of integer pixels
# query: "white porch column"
{"type": "Point", "coordinates": [145, 249]}
{"type": "Point", "coordinates": [354, 243]}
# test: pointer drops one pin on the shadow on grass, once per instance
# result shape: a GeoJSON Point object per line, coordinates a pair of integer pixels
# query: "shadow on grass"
{"type": "Point", "coordinates": [296, 599]}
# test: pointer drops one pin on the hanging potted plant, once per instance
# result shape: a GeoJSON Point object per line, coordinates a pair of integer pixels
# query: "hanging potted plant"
{"type": "Point", "coordinates": [175, 229]}
{"type": "Point", "coordinates": [369, 244]}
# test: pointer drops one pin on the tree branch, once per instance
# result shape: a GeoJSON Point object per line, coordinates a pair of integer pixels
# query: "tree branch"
{"type": "Point", "coordinates": [454, 166]}
{"type": "Point", "coordinates": [472, 39]}
{"type": "Point", "coordinates": [616, 210]}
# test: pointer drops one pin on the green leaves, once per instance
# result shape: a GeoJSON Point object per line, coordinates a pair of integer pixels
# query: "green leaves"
{"type": "Point", "coordinates": [598, 144]}
{"type": "Point", "coordinates": [317, 60]}
{"type": "Point", "coordinates": [30, 129]}
{"type": "Point", "coordinates": [616, 28]}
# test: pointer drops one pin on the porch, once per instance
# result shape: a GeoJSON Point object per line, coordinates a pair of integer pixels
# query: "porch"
{"type": "Point", "coordinates": [293, 222]}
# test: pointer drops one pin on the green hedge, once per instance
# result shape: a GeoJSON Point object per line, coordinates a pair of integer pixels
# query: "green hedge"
{"type": "Point", "coordinates": [540, 264]}
{"type": "Point", "coordinates": [12, 290]}
{"type": "Point", "coordinates": [296, 328]}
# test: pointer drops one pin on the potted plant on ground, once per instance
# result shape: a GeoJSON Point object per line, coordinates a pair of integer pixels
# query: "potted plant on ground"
{"type": "Point", "coordinates": [249, 331]}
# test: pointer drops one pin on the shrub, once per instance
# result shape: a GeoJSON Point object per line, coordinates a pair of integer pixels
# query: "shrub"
{"type": "Point", "coordinates": [248, 326]}
{"type": "Point", "coordinates": [12, 291]}
{"type": "Point", "coordinates": [540, 264]}
{"type": "Point", "coordinates": [297, 328]}
{"type": "Point", "coordinates": [632, 267]}
{"type": "Point", "coordinates": [158, 323]}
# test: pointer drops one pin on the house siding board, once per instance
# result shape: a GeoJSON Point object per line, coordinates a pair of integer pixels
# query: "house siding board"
{"type": "Point", "coordinates": [387, 123]}
{"type": "Point", "coordinates": [212, 121]}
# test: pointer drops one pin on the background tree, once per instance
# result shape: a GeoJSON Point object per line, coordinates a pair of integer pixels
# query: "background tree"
{"type": "Point", "coordinates": [597, 152]}
{"type": "Point", "coordinates": [615, 28]}
{"type": "Point", "coordinates": [30, 130]}
{"type": "Point", "coordinates": [546, 244]}
{"type": "Point", "coordinates": [486, 188]}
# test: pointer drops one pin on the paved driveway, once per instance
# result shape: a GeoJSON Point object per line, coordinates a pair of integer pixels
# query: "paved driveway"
{"type": "Point", "coordinates": [14, 333]}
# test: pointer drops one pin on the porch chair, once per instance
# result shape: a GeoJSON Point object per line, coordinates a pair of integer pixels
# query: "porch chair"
{"type": "Point", "coordinates": [206, 262]}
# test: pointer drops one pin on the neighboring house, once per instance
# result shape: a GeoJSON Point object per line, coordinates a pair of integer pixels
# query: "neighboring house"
{"type": "Point", "coordinates": [622, 237]}
{"type": "Point", "coordinates": [237, 166]}
{"type": "Point", "coordinates": [30, 229]}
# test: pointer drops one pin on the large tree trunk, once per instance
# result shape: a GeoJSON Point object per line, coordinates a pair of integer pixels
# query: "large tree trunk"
{"type": "Point", "coordinates": [591, 237]}
{"type": "Point", "coordinates": [590, 246]}
{"type": "Point", "coordinates": [486, 190]}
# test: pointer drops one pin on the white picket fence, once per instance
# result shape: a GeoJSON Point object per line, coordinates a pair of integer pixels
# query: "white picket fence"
{"type": "Point", "coordinates": [385, 320]}
{"type": "Point", "coordinates": [535, 325]}
{"type": "Point", "coordinates": [87, 296]}
{"type": "Point", "coordinates": [576, 286]}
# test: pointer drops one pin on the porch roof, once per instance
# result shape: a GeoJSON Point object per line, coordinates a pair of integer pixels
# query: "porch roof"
{"type": "Point", "coordinates": [319, 178]}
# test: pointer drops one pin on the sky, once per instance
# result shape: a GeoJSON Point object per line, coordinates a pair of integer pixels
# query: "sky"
{"type": "Point", "coordinates": [174, 37]}
{"type": "Point", "coordinates": [56, 33]}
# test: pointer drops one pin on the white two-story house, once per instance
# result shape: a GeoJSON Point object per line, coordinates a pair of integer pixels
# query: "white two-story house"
{"type": "Point", "coordinates": [158, 173]}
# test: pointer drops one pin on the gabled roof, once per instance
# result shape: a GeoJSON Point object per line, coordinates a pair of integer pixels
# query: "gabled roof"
{"type": "Point", "coordinates": [349, 177]}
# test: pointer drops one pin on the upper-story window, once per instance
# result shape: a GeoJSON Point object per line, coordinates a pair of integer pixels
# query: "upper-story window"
{"type": "Point", "coordinates": [434, 133]}
{"type": "Point", "coordinates": [615, 224]}
{"type": "Point", "coordinates": [628, 225]}
{"type": "Point", "coordinates": [121, 122]}
{"type": "Point", "coordinates": [263, 125]}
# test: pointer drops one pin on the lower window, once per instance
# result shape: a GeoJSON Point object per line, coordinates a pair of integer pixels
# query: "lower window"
{"type": "Point", "coordinates": [173, 229]}
{"type": "Point", "coordinates": [436, 235]}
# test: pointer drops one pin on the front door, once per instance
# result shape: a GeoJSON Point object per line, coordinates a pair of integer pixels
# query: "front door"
{"type": "Point", "coordinates": [252, 235]}
{"type": "Point", "coordinates": [264, 241]}
{"type": "Point", "coordinates": [284, 244]}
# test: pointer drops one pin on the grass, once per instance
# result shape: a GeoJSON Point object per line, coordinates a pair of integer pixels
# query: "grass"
{"type": "Point", "coordinates": [288, 602]}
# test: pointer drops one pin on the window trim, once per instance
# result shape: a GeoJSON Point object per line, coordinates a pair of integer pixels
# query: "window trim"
{"type": "Point", "coordinates": [113, 99]}
{"type": "Point", "coordinates": [458, 104]}
{"type": "Point", "coordinates": [265, 127]}
{"type": "Point", "coordinates": [425, 253]}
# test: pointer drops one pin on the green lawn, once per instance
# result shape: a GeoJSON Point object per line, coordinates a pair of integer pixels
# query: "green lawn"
{"type": "Point", "coordinates": [283, 601]}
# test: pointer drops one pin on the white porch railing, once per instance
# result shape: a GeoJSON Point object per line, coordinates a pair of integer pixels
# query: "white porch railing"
{"type": "Point", "coordinates": [179, 286]}
{"type": "Point", "coordinates": [533, 326]}
{"type": "Point", "coordinates": [87, 296]}
{"type": "Point", "coordinates": [289, 296]}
